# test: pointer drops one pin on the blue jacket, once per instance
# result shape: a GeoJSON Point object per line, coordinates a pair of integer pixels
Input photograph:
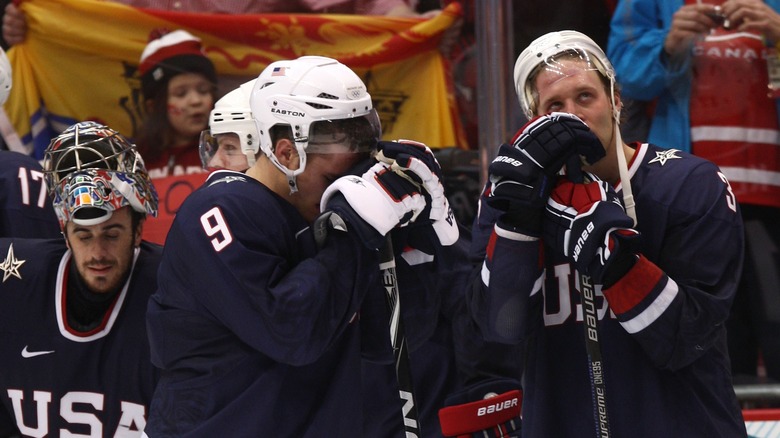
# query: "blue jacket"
{"type": "Point", "coordinates": [635, 48]}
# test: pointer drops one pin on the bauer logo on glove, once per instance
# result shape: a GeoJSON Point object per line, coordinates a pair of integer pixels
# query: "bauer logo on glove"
{"type": "Point", "coordinates": [588, 224]}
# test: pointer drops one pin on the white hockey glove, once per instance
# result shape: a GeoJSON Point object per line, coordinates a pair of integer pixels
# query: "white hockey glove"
{"type": "Point", "coordinates": [416, 161]}
{"type": "Point", "coordinates": [372, 204]}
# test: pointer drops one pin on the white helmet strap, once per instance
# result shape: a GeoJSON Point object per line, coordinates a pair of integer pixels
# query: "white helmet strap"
{"type": "Point", "coordinates": [290, 174]}
{"type": "Point", "coordinates": [625, 178]}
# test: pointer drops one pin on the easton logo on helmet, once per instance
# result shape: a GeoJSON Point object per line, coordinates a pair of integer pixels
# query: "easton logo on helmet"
{"type": "Point", "coordinates": [288, 112]}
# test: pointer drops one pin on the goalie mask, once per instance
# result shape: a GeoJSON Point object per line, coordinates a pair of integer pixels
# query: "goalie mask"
{"type": "Point", "coordinates": [231, 141]}
{"type": "Point", "coordinates": [91, 170]}
{"type": "Point", "coordinates": [324, 104]}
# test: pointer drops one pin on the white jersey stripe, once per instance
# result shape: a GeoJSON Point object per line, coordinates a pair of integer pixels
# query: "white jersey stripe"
{"type": "Point", "coordinates": [734, 133]}
{"type": "Point", "coordinates": [656, 309]}
{"type": "Point", "coordinates": [754, 176]}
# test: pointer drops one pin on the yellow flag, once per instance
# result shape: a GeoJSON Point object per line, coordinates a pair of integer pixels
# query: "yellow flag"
{"type": "Point", "coordinates": [79, 62]}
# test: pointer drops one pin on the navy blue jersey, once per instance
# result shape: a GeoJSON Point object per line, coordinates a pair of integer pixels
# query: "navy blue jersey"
{"type": "Point", "coordinates": [25, 208]}
{"type": "Point", "coordinates": [55, 379]}
{"type": "Point", "coordinates": [446, 353]}
{"type": "Point", "coordinates": [257, 332]}
{"type": "Point", "coordinates": [431, 285]}
{"type": "Point", "coordinates": [662, 334]}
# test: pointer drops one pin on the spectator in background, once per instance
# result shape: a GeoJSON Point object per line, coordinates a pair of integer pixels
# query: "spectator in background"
{"type": "Point", "coordinates": [74, 344]}
{"type": "Point", "coordinates": [707, 65]}
{"type": "Point", "coordinates": [178, 84]}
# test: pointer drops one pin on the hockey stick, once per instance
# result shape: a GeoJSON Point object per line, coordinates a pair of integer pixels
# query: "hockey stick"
{"type": "Point", "coordinates": [592, 343]}
{"type": "Point", "coordinates": [398, 340]}
{"type": "Point", "coordinates": [595, 364]}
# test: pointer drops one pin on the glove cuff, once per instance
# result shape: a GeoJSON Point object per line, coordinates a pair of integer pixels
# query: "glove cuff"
{"type": "Point", "coordinates": [480, 415]}
{"type": "Point", "coordinates": [491, 411]}
{"type": "Point", "coordinates": [528, 224]}
{"type": "Point", "coordinates": [638, 283]}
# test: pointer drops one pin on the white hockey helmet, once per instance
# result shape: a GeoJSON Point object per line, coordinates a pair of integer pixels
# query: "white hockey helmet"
{"type": "Point", "coordinates": [231, 115]}
{"type": "Point", "coordinates": [323, 102]}
{"type": "Point", "coordinates": [6, 77]}
{"type": "Point", "coordinates": [542, 53]}
{"type": "Point", "coordinates": [91, 171]}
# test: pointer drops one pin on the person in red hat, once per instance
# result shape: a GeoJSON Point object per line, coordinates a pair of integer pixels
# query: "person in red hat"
{"type": "Point", "coordinates": [179, 86]}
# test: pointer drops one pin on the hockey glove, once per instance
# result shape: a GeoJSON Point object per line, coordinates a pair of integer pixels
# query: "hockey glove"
{"type": "Point", "coordinates": [489, 409]}
{"type": "Point", "coordinates": [370, 205]}
{"type": "Point", "coordinates": [552, 139]}
{"type": "Point", "coordinates": [519, 188]}
{"type": "Point", "coordinates": [588, 224]}
{"type": "Point", "coordinates": [416, 161]}
{"type": "Point", "coordinates": [522, 175]}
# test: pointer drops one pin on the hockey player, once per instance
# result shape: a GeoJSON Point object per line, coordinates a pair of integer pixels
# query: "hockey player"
{"type": "Point", "coordinates": [257, 330]}
{"type": "Point", "coordinates": [231, 140]}
{"type": "Point", "coordinates": [25, 210]}
{"type": "Point", "coordinates": [656, 231]}
{"type": "Point", "coordinates": [430, 278]}
{"type": "Point", "coordinates": [74, 345]}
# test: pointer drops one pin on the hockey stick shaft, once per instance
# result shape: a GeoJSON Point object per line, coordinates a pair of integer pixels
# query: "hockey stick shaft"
{"type": "Point", "coordinates": [398, 340]}
{"type": "Point", "coordinates": [595, 364]}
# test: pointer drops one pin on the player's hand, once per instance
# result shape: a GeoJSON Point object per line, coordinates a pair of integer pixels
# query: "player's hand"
{"type": "Point", "coordinates": [14, 24]}
{"type": "Point", "coordinates": [754, 16]}
{"type": "Point", "coordinates": [489, 409]}
{"type": "Point", "coordinates": [588, 224]}
{"type": "Point", "coordinates": [416, 161]}
{"type": "Point", "coordinates": [522, 175]}
{"type": "Point", "coordinates": [688, 23]}
{"type": "Point", "coordinates": [371, 205]}
{"type": "Point", "coordinates": [519, 188]}
{"type": "Point", "coordinates": [550, 140]}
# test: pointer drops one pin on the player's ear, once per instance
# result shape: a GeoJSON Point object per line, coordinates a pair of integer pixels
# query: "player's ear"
{"type": "Point", "coordinates": [137, 236]}
{"type": "Point", "coordinates": [618, 101]}
{"type": "Point", "coordinates": [286, 153]}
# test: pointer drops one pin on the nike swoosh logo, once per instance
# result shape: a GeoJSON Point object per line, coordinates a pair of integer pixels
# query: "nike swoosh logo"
{"type": "Point", "coordinates": [27, 354]}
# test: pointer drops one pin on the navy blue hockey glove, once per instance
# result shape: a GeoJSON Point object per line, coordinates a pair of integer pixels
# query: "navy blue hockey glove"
{"type": "Point", "coordinates": [588, 224]}
{"type": "Point", "coordinates": [522, 175]}
{"type": "Point", "coordinates": [551, 140]}
{"type": "Point", "coordinates": [519, 188]}
{"type": "Point", "coordinates": [369, 205]}
{"type": "Point", "coordinates": [416, 160]}
{"type": "Point", "coordinates": [489, 409]}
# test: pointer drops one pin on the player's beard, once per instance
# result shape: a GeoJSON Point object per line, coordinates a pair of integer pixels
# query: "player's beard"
{"type": "Point", "coordinates": [111, 281]}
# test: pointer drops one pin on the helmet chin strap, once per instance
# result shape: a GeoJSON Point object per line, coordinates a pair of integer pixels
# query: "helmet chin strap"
{"type": "Point", "coordinates": [292, 183]}
{"type": "Point", "coordinates": [250, 158]}
{"type": "Point", "coordinates": [625, 178]}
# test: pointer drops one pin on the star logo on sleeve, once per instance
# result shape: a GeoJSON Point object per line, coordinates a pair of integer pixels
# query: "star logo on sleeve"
{"type": "Point", "coordinates": [10, 266]}
{"type": "Point", "coordinates": [664, 156]}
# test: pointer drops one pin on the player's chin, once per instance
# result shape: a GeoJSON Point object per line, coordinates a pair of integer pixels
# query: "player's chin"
{"type": "Point", "coordinates": [101, 284]}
